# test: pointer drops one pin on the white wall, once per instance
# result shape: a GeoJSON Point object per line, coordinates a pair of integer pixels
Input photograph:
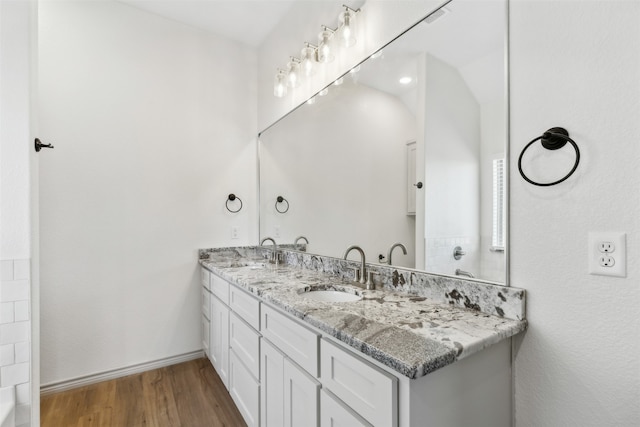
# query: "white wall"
{"type": "Point", "coordinates": [154, 125]}
{"type": "Point", "coordinates": [346, 152]}
{"type": "Point", "coordinates": [18, 369]}
{"type": "Point", "coordinates": [577, 65]}
{"type": "Point", "coordinates": [452, 168]}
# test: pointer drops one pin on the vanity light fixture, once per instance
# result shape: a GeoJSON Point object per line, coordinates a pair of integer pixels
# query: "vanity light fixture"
{"type": "Point", "coordinates": [280, 84]}
{"type": "Point", "coordinates": [308, 59]}
{"type": "Point", "coordinates": [311, 56]}
{"type": "Point", "coordinates": [348, 26]}
{"type": "Point", "coordinates": [293, 75]}
{"type": "Point", "coordinates": [325, 53]}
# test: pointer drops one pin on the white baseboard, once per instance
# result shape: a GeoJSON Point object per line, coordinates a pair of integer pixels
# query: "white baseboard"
{"type": "Point", "coordinates": [46, 389]}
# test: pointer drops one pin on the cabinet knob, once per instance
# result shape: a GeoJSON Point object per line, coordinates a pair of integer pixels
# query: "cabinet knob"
{"type": "Point", "coordinates": [419, 185]}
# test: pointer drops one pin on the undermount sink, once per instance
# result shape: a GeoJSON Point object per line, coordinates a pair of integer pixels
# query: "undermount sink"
{"type": "Point", "coordinates": [331, 296]}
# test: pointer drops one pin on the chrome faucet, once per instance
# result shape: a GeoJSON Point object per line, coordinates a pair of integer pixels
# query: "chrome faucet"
{"type": "Point", "coordinates": [276, 255]}
{"type": "Point", "coordinates": [362, 265]}
{"type": "Point", "coordinates": [395, 245]}
{"type": "Point", "coordinates": [295, 242]}
{"type": "Point", "coordinates": [268, 238]}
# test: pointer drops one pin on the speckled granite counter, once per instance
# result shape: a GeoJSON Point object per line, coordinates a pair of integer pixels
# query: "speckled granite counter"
{"type": "Point", "coordinates": [413, 333]}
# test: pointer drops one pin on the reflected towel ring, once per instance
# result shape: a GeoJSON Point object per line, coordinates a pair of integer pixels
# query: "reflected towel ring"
{"type": "Point", "coordinates": [232, 197]}
{"type": "Point", "coordinates": [281, 199]}
{"type": "Point", "coordinates": [553, 139]}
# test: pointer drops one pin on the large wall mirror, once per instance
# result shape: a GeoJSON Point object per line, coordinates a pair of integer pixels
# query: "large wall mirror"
{"type": "Point", "coordinates": [409, 147]}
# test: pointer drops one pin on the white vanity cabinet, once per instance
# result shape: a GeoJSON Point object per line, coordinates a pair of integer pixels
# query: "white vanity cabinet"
{"type": "Point", "coordinates": [281, 371]}
{"type": "Point", "coordinates": [244, 354]}
{"type": "Point", "coordinates": [205, 312]}
{"type": "Point", "coordinates": [289, 396]}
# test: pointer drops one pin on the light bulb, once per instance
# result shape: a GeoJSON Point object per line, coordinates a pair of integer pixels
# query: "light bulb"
{"type": "Point", "coordinates": [405, 80]}
{"type": "Point", "coordinates": [348, 30]}
{"type": "Point", "coordinates": [280, 84]}
{"type": "Point", "coordinates": [323, 92]}
{"type": "Point", "coordinates": [324, 50]}
{"type": "Point", "coordinates": [339, 81]}
{"type": "Point", "coordinates": [308, 61]}
{"type": "Point", "coordinates": [311, 100]}
{"type": "Point", "coordinates": [355, 69]}
{"type": "Point", "coordinates": [293, 76]}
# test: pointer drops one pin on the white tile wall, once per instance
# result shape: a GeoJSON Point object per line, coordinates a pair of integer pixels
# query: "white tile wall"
{"type": "Point", "coordinates": [439, 254]}
{"type": "Point", "coordinates": [15, 335]}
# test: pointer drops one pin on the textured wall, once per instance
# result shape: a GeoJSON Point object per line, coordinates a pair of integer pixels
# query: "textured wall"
{"type": "Point", "coordinates": [576, 64]}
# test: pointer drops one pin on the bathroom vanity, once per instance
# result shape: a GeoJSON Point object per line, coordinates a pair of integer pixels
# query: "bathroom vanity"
{"type": "Point", "coordinates": [419, 350]}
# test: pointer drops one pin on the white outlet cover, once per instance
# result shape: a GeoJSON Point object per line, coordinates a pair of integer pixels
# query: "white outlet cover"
{"type": "Point", "coordinates": [619, 254]}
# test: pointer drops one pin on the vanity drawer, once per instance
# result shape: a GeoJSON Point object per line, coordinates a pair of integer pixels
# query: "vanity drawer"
{"type": "Point", "coordinates": [204, 277]}
{"type": "Point", "coordinates": [246, 343]}
{"type": "Point", "coordinates": [206, 303]}
{"type": "Point", "coordinates": [371, 392]}
{"type": "Point", "coordinates": [247, 307]}
{"type": "Point", "coordinates": [297, 342]}
{"type": "Point", "coordinates": [220, 288]}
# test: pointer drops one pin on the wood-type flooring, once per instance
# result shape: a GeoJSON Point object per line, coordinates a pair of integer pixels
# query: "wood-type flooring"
{"type": "Point", "coordinates": [188, 394]}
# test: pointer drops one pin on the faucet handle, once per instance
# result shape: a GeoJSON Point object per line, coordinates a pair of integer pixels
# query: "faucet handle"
{"type": "Point", "coordinates": [370, 285]}
{"type": "Point", "coordinates": [356, 273]}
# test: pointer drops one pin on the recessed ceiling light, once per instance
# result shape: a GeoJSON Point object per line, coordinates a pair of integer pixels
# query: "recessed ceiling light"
{"type": "Point", "coordinates": [405, 80]}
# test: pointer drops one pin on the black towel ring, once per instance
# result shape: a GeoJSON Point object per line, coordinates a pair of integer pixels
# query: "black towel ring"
{"type": "Point", "coordinates": [281, 199]}
{"type": "Point", "coordinates": [553, 139]}
{"type": "Point", "coordinates": [232, 197]}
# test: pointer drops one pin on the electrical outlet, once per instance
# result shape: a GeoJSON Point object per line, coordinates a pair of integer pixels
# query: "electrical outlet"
{"type": "Point", "coordinates": [608, 254]}
{"type": "Point", "coordinates": [235, 231]}
{"type": "Point", "coordinates": [607, 261]}
{"type": "Point", "coordinates": [606, 247]}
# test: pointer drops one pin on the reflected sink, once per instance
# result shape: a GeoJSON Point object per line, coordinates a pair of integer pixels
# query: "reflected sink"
{"type": "Point", "coordinates": [331, 296]}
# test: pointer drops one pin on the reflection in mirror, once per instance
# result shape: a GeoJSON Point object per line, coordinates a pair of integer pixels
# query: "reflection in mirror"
{"type": "Point", "coordinates": [409, 149]}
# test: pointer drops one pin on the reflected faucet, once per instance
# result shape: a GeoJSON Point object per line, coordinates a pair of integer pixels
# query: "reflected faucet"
{"type": "Point", "coordinates": [464, 273]}
{"type": "Point", "coordinates": [395, 245]}
{"type": "Point", "coordinates": [268, 238]}
{"type": "Point", "coordinates": [362, 268]}
{"type": "Point", "coordinates": [295, 242]}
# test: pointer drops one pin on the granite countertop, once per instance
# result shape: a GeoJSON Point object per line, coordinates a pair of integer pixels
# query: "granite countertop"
{"type": "Point", "coordinates": [413, 335]}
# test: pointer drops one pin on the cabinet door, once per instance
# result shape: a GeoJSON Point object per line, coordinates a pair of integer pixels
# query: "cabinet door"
{"type": "Point", "coordinates": [219, 340]}
{"type": "Point", "coordinates": [245, 341]}
{"type": "Point", "coordinates": [301, 397]}
{"type": "Point", "coordinates": [411, 178]}
{"type": "Point", "coordinates": [205, 277]}
{"type": "Point", "coordinates": [205, 330]}
{"type": "Point", "coordinates": [206, 302]}
{"type": "Point", "coordinates": [334, 413]}
{"type": "Point", "coordinates": [371, 392]}
{"type": "Point", "coordinates": [271, 386]}
{"type": "Point", "coordinates": [244, 390]}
